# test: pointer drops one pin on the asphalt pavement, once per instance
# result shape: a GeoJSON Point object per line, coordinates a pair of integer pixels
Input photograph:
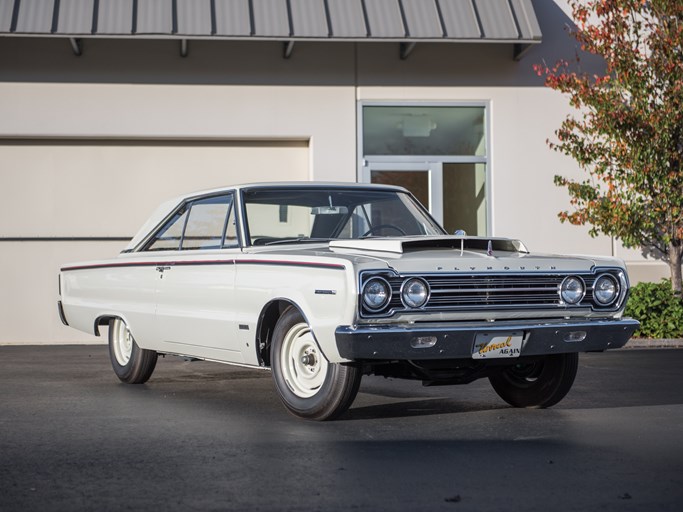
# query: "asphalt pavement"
{"type": "Point", "coordinates": [204, 436]}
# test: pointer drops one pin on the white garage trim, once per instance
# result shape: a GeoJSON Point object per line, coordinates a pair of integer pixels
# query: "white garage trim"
{"type": "Point", "coordinates": [104, 189]}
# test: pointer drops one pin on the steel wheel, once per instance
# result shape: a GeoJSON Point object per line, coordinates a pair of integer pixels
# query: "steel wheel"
{"type": "Point", "coordinates": [524, 375]}
{"type": "Point", "coordinates": [304, 367]}
{"type": "Point", "coordinates": [541, 383]}
{"type": "Point", "coordinates": [122, 342]}
{"type": "Point", "coordinates": [132, 364]}
{"type": "Point", "coordinates": [308, 384]}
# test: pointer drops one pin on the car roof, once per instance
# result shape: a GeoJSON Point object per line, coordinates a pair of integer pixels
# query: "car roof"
{"type": "Point", "coordinates": [291, 184]}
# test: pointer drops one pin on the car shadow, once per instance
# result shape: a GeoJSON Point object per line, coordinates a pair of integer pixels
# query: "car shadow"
{"type": "Point", "coordinates": [412, 408]}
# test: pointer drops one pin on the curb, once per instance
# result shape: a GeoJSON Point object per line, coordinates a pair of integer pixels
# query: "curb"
{"type": "Point", "coordinates": [639, 343]}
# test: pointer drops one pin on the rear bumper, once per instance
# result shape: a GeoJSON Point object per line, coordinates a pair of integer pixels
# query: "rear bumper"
{"type": "Point", "coordinates": [60, 310]}
{"type": "Point", "coordinates": [456, 341]}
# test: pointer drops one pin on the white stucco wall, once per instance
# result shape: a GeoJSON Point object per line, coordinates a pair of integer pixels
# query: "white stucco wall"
{"type": "Point", "coordinates": [84, 159]}
{"type": "Point", "coordinates": [223, 93]}
{"type": "Point", "coordinates": [188, 112]}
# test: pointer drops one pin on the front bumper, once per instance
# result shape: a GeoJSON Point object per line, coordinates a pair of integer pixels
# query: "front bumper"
{"type": "Point", "coordinates": [456, 340]}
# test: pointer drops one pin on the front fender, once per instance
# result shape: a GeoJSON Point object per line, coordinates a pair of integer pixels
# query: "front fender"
{"type": "Point", "coordinates": [323, 296]}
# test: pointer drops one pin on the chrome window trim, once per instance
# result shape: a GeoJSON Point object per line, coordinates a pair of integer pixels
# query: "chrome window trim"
{"type": "Point", "coordinates": [142, 246]}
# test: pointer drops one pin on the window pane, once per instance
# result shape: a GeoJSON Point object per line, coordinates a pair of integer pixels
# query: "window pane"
{"type": "Point", "coordinates": [206, 223]}
{"type": "Point", "coordinates": [464, 198]}
{"type": "Point", "coordinates": [269, 222]}
{"type": "Point", "coordinates": [316, 214]}
{"type": "Point", "coordinates": [395, 130]}
{"type": "Point", "coordinates": [415, 181]}
{"type": "Point", "coordinates": [391, 218]}
{"type": "Point", "coordinates": [168, 237]}
{"type": "Point", "coordinates": [231, 230]}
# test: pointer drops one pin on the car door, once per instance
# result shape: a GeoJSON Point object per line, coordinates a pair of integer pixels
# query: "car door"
{"type": "Point", "coordinates": [195, 289]}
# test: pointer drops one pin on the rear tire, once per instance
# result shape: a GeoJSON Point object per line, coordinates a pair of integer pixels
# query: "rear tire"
{"type": "Point", "coordinates": [309, 386]}
{"type": "Point", "coordinates": [132, 364]}
{"type": "Point", "coordinates": [540, 384]}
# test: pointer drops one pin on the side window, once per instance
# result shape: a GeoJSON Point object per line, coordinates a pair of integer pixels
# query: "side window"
{"type": "Point", "coordinates": [206, 223]}
{"type": "Point", "coordinates": [202, 224]}
{"type": "Point", "coordinates": [231, 229]}
{"type": "Point", "coordinates": [169, 236]}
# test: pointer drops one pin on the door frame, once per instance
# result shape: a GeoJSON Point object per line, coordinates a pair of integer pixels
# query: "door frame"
{"type": "Point", "coordinates": [431, 163]}
{"type": "Point", "coordinates": [434, 172]}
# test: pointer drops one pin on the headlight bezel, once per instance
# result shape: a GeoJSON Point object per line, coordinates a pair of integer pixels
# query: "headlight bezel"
{"type": "Point", "coordinates": [369, 307]}
{"type": "Point", "coordinates": [617, 290]}
{"type": "Point", "coordinates": [408, 303]}
{"type": "Point", "coordinates": [563, 289]}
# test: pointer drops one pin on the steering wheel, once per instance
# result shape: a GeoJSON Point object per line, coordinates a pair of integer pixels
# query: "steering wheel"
{"type": "Point", "coordinates": [382, 226]}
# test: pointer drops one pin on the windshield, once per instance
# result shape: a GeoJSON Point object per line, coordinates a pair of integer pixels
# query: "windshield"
{"type": "Point", "coordinates": [308, 214]}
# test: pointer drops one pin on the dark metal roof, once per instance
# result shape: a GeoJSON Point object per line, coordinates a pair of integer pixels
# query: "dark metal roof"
{"type": "Point", "coordinates": [291, 20]}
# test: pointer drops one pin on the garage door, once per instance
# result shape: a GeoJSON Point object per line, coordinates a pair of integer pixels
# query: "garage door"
{"type": "Point", "coordinates": [99, 193]}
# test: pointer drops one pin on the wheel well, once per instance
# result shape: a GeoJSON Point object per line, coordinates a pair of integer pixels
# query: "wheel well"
{"type": "Point", "coordinates": [270, 314]}
{"type": "Point", "coordinates": [102, 320]}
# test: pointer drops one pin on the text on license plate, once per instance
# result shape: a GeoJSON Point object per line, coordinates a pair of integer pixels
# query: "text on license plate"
{"type": "Point", "coordinates": [497, 345]}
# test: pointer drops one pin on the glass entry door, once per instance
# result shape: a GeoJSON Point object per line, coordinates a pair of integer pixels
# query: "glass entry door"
{"type": "Point", "coordinates": [455, 194]}
{"type": "Point", "coordinates": [438, 151]}
{"type": "Point", "coordinates": [423, 180]}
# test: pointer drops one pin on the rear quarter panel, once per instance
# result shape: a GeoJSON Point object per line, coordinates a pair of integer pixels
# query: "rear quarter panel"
{"type": "Point", "coordinates": [92, 290]}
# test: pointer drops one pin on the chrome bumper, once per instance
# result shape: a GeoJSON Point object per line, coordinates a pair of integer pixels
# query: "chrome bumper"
{"type": "Point", "coordinates": [456, 341]}
{"type": "Point", "coordinates": [60, 310]}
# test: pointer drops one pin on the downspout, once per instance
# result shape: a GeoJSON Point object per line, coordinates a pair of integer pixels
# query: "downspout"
{"type": "Point", "coordinates": [76, 46]}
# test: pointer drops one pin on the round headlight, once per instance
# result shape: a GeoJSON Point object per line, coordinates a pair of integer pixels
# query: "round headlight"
{"type": "Point", "coordinates": [572, 290]}
{"type": "Point", "coordinates": [605, 290]}
{"type": "Point", "coordinates": [414, 293]}
{"type": "Point", "coordinates": [376, 293]}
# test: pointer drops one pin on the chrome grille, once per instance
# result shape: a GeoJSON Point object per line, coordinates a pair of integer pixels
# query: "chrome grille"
{"type": "Point", "coordinates": [495, 290]}
{"type": "Point", "coordinates": [462, 292]}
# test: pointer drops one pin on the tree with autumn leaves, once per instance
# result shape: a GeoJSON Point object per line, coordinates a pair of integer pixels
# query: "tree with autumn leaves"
{"type": "Point", "coordinates": [628, 132]}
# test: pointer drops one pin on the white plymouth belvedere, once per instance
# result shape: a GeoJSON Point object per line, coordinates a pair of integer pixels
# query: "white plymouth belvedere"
{"type": "Point", "coordinates": [323, 283]}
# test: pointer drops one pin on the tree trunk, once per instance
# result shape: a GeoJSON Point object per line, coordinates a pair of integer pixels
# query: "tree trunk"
{"type": "Point", "coordinates": [675, 260]}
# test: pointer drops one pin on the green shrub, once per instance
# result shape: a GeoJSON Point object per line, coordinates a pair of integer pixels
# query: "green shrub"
{"type": "Point", "coordinates": [658, 310]}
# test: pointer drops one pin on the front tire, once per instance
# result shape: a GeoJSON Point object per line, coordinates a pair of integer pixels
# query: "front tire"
{"type": "Point", "coordinates": [132, 364]}
{"type": "Point", "coordinates": [309, 385]}
{"type": "Point", "coordinates": [539, 384]}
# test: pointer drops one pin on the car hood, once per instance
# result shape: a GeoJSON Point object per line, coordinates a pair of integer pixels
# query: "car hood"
{"type": "Point", "coordinates": [410, 244]}
{"type": "Point", "coordinates": [462, 254]}
{"type": "Point", "coordinates": [439, 254]}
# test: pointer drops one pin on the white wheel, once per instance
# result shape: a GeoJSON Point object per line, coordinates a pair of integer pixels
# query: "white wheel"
{"type": "Point", "coordinates": [304, 368]}
{"type": "Point", "coordinates": [132, 364]}
{"type": "Point", "coordinates": [122, 342]}
{"type": "Point", "coordinates": [309, 385]}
